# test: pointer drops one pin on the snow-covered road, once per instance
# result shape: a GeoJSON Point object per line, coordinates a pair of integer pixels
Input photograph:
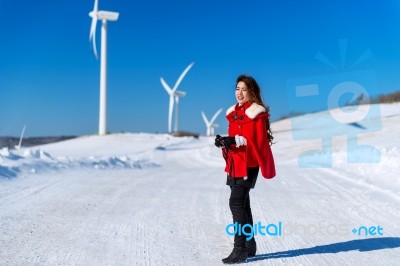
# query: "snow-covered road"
{"type": "Point", "coordinates": [142, 199]}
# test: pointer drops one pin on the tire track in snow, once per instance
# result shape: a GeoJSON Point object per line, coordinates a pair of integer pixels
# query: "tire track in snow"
{"type": "Point", "coordinates": [356, 199]}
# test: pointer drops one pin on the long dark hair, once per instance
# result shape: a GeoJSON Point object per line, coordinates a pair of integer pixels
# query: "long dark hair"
{"type": "Point", "coordinates": [255, 97]}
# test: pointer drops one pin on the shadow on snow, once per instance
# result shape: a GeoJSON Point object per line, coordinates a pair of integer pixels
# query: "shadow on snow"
{"type": "Point", "coordinates": [362, 245]}
{"type": "Point", "coordinates": [8, 173]}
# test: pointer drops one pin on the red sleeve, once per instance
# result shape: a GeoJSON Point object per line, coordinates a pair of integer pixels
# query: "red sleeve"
{"type": "Point", "coordinates": [260, 145]}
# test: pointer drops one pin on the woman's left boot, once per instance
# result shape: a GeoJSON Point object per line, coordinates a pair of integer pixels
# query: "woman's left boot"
{"type": "Point", "coordinates": [251, 247]}
{"type": "Point", "coordinates": [239, 254]}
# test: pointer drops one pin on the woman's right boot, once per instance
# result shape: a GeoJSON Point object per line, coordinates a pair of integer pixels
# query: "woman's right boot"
{"type": "Point", "coordinates": [239, 252]}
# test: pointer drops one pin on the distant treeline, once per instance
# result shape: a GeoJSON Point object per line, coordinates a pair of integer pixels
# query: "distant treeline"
{"type": "Point", "coordinates": [361, 99]}
{"type": "Point", "coordinates": [381, 98]}
{"type": "Point", "coordinates": [387, 98]}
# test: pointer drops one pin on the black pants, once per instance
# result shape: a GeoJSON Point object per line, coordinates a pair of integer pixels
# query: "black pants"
{"type": "Point", "coordinates": [239, 203]}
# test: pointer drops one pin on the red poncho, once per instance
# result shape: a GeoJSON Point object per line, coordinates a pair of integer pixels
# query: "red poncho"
{"type": "Point", "coordinates": [249, 121]}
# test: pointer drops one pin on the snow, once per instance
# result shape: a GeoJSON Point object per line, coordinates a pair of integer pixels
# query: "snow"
{"type": "Point", "coordinates": [147, 199]}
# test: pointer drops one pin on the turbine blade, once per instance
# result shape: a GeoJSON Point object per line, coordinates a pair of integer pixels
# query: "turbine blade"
{"type": "Point", "coordinates": [205, 118]}
{"type": "Point", "coordinates": [215, 116]}
{"type": "Point", "coordinates": [166, 86]}
{"type": "Point", "coordinates": [92, 35]}
{"type": "Point", "coordinates": [96, 5]}
{"type": "Point", "coordinates": [182, 76]}
{"type": "Point", "coordinates": [180, 93]}
{"type": "Point", "coordinates": [171, 108]}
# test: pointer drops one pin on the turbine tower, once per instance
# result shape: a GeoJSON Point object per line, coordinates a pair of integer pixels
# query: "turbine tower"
{"type": "Point", "coordinates": [104, 16]}
{"type": "Point", "coordinates": [210, 124]}
{"type": "Point", "coordinates": [174, 95]}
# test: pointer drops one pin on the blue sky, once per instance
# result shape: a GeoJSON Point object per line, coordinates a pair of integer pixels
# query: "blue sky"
{"type": "Point", "coordinates": [49, 77]}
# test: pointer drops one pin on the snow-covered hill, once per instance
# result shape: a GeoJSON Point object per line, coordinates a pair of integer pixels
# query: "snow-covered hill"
{"type": "Point", "coordinates": [146, 199]}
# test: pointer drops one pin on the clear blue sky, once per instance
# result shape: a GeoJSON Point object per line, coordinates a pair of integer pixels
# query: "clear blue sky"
{"type": "Point", "coordinates": [49, 77]}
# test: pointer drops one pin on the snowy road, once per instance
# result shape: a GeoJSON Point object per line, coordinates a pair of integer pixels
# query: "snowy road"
{"type": "Point", "coordinates": [174, 211]}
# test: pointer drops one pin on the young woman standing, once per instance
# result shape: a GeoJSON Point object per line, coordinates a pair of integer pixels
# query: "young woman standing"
{"type": "Point", "coordinates": [246, 150]}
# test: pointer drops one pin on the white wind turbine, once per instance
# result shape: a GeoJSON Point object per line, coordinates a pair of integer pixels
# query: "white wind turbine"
{"type": "Point", "coordinates": [210, 124]}
{"type": "Point", "coordinates": [17, 147]}
{"type": "Point", "coordinates": [104, 16]}
{"type": "Point", "coordinates": [174, 95]}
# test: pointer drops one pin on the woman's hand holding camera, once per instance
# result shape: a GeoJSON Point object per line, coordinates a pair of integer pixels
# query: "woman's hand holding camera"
{"type": "Point", "coordinates": [224, 142]}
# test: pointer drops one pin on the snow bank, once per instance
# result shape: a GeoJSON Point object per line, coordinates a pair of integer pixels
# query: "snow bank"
{"type": "Point", "coordinates": [117, 151]}
{"type": "Point", "coordinates": [33, 160]}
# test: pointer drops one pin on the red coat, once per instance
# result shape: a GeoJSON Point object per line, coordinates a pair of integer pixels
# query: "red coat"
{"type": "Point", "coordinates": [249, 121]}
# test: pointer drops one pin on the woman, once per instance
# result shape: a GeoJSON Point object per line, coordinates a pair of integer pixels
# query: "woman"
{"type": "Point", "coordinates": [246, 149]}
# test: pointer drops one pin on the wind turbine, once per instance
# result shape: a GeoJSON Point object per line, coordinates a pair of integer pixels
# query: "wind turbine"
{"type": "Point", "coordinates": [174, 95]}
{"type": "Point", "coordinates": [17, 147]}
{"type": "Point", "coordinates": [104, 16]}
{"type": "Point", "coordinates": [210, 124]}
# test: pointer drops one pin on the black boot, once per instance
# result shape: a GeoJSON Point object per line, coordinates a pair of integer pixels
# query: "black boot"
{"type": "Point", "coordinates": [251, 247]}
{"type": "Point", "coordinates": [239, 254]}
